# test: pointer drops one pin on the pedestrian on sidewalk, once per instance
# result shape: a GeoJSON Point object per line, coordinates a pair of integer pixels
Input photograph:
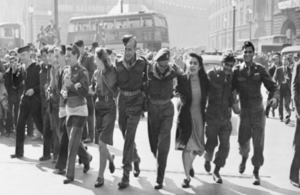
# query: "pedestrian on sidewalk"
{"type": "Point", "coordinates": [247, 80]}
{"type": "Point", "coordinates": [282, 77]}
{"type": "Point", "coordinates": [74, 91]}
{"type": "Point", "coordinates": [295, 166]}
{"type": "Point", "coordinates": [130, 69]}
{"type": "Point", "coordinates": [160, 75]}
{"type": "Point", "coordinates": [218, 114]}
{"type": "Point", "coordinates": [192, 88]}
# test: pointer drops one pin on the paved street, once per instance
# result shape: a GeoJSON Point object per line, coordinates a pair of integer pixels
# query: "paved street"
{"type": "Point", "coordinates": [29, 176]}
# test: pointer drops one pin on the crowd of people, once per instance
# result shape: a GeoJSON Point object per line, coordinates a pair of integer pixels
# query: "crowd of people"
{"type": "Point", "coordinates": [73, 95]}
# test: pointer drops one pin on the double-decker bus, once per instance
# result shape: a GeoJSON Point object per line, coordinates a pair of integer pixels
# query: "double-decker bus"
{"type": "Point", "coordinates": [272, 43]}
{"type": "Point", "coordinates": [10, 35]}
{"type": "Point", "coordinates": [150, 29]}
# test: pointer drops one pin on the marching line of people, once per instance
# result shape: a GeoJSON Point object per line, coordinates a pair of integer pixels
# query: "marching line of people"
{"type": "Point", "coordinates": [74, 96]}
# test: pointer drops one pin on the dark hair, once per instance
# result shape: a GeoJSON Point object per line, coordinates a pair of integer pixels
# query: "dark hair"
{"type": "Point", "coordinates": [74, 49]}
{"type": "Point", "coordinates": [44, 49]}
{"type": "Point", "coordinates": [248, 44]}
{"type": "Point", "coordinates": [103, 55]}
{"type": "Point", "coordinates": [61, 49]}
{"type": "Point", "coordinates": [79, 43]}
{"type": "Point", "coordinates": [199, 59]}
{"type": "Point", "coordinates": [51, 49]}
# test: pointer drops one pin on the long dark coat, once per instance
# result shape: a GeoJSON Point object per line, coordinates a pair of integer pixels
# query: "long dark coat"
{"type": "Point", "coordinates": [184, 123]}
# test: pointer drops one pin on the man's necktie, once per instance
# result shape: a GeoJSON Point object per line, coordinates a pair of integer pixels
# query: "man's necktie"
{"type": "Point", "coordinates": [248, 70]}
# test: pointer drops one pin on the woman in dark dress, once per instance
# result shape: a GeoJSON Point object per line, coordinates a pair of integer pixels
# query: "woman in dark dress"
{"type": "Point", "coordinates": [192, 89]}
{"type": "Point", "coordinates": [104, 84]}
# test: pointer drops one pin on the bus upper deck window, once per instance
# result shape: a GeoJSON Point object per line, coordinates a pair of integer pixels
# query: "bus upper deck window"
{"type": "Point", "coordinates": [8, 32]}
{"type": "Point", "coordinates": [134, 22]}
{"type": "Point", "coordinates": [108, 24]}
{"type": "Point", "coordinates": [147, 22]}
{"type": "Point", "coordinates": [121, 23]}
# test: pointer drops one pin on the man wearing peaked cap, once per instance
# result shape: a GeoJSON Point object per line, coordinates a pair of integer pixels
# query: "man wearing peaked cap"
{"type": "Point", "coordinates": [160, 75]}
{"type": "Point", "coordinates": [162, 55]}
{"type": "Point", "coordinates": [31, 99]}
{"type": "Point", "coordinates": [130, 69]}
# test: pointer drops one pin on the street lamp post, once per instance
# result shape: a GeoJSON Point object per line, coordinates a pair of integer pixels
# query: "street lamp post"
{"type": "Point", "coordinates": [250, 23]}
{"type": "Point", "coordinates": [31, 11]}
{"type": "Point", "coordinates": [233, 28]}
{"type": "Point", "coordinates": [225, 22]}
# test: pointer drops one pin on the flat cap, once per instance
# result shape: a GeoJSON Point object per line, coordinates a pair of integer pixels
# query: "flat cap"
{"type": "Point", "coordinates": [127, 38]}
{"type": "Point", "coordinates": [95, 44]}
{"type": "Point", "coordinates": [162, 55]}
{"type": "Point", "coordinates": [23, 49]}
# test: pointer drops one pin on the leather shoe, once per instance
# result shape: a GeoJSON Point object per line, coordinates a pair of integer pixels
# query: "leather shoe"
{"type": "Point", "coordinates": [87, 167]}
{"type": "Point", "coordinates": [288, 120]}
{"type": "Point", "coordinates": [61, 171]}
{"type": "Point", "coordinates": [217, 178]}
{"type": "Point", "coordinates": [207, 166]}
{"type": "Point", "coordinates": [44, 158]}
{"type": "Point", "coordinates": [256, 179]}
{"type": "Point", "coordinates": [158, 186]}
{"type": "Point", "coordinates": [186, 183]}
{"type": "Point", "coordinates": [99, 182]}
{"type": "Point", "coordinates": [112, 165]}
{"type": "Point", "coordinates": [16, 156]}
{"type": "Point", "coordinates": [295, 183]}
{"type": "Point", "coordinates": [242, 166]}
{"type": "Point", "coordinates": [88, 140]}
{"type": "Point", "coordinates": [124, 183]}
{"type": "Point", "coordinates": [68, 180]}
{"type": "Point", "coordinates": [192, 172]}
{"type": "Point", "coordinates": [136, 171]}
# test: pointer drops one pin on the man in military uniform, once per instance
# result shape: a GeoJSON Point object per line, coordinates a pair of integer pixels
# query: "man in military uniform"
{"type": "Point", "coordinates": [247, 80]}
{"type": "Point", "coordinates": [218, 115]}
{"type": "Point", "coordinates": [160, 76]}
{"type": "Point", "coordinates": [74, 91]}
{"type": "Point", "coordinates": [86, 60]}
{"type": "Point", "coordinates": [130, 69]}
{"type": "Point", "coordinates": [31, 100]}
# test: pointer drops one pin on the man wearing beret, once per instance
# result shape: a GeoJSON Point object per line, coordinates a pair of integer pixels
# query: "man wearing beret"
{"type": "Point", "coordinates": [218, 114]}
{"type": "Point", "coordinates": [130, 70]}
{"type": "Point", "coordinates": [247, 79]}
{"type": "Point", "coordinates": [160, 75]}
{"type": "Point", "coordinates": [31, 99]}
{"type": "Point", "coordinates": [75, 85]}
{"type": "Point", "coordinates": [86, 60]}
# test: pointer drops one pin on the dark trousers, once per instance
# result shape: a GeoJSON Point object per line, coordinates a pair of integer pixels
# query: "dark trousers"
{"type": "Point", "coordinates": [218, 130]}
{"type": "Point", "coordinates": [285, 100]}
{"type": "Point", "coordinates": [50, 136]}
{"type": "Point", "coordinates": [74, 128]}
{"type": "Point", "coordinates": [89, 129]}
{"type": "Point", "coordinates": [12, 116]}
{"type": "Point", "coordinates": [64, 142]}
{"type": "Point", "coordinates": [130, 110]}
{"type": "Point", "coordinates": [29, 106]}
{"type": "Point", "coordinates": [252, 125]}
{"type": "Point", "coordinates": [160, 121]}
{"type": "Point", "coordinates": [295, 167]}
